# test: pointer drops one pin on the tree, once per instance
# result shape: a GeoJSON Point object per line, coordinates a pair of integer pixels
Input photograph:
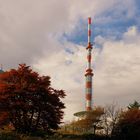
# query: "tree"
{"type": "Point", "coordinates": [128, 126]}
{"type": "Point", "coordinates": [134, 105]}
{"type": "Point", "coordinates": [110, 118]}
{"type": "Point", "coordinates": [28, 101]}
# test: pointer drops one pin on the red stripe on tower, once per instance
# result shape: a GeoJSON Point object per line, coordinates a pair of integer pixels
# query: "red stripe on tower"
{"type": "Point", "coordinates": [89, 58]}
{"type": "Point", "coordinates": [88, 97]}
{"type": "Point", "coordinates": [89, 20]}
{"type": "Point", "coordinates": [88, 108]}
{"type": "Point", "coordinates": [88, 84]}
{"type": "Point", "coordinates": [89, 33]}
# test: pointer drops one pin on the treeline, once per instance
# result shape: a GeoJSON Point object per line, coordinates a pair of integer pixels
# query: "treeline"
{"type": "Point", "coordinates": [107, 122]}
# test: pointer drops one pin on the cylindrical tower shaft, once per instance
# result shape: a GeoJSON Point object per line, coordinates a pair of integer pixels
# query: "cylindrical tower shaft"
{"type": "Point", "coordinates": [89, 73]}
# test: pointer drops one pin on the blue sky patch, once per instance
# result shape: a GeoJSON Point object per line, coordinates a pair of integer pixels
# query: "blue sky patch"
{"type": "Point", "coordinates": [110, 24]}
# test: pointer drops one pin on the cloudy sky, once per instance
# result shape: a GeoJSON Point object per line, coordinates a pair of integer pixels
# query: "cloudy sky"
{"type": "Point", "coordinates": [51, 37]}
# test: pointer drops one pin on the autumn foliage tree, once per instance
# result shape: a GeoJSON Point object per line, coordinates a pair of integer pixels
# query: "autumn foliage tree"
{"type": "Point", "coordinates": [28, 101]}
{"type": "Point", "coordinates": [89, 121]}
{"type": "Point", "coordinates": [128, 126]}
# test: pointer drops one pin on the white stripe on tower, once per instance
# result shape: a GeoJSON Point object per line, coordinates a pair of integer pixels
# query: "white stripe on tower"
{"type": "Point", "coordinates": [89, 73]}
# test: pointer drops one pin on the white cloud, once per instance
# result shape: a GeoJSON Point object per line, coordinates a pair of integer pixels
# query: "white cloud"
{"type": "Point", "coordinates": [117, 74]}
{"type": "Point", "coordinates": [67, 72]}
{"type": "Point", "coordinates": [132, 35]}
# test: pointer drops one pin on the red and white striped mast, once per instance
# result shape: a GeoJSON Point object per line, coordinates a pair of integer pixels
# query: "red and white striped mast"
{"type": "Point", "coordinates": [89, 73]}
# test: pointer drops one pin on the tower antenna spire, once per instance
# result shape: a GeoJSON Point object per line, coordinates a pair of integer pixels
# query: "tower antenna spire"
{"type": "Point", "coordinates": [89, 73]}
